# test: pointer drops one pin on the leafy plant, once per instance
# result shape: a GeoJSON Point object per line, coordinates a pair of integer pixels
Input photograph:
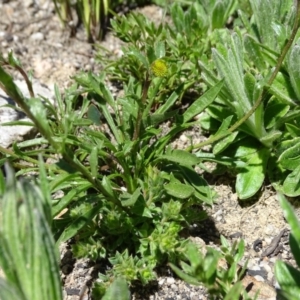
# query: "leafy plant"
{"type": "Point", "coordinates": [127, 194]}
{"type": "Point", "coordinates": [204, 269]}
{"type": "Point", "coordinates": [28, 255]}
{"type": "Point", "coordinates": [288, 276]}
{"type": "Point", "coordinates": [94, 15]}
{"type": "Point", "coordinates": [257, 99]}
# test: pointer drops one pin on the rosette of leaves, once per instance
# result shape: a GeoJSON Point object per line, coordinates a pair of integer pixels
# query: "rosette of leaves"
{"type": "Point", "coordinates": [246, 59]}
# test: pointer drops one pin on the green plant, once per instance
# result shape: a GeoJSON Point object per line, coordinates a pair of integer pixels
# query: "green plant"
{"type": "Point", "coordinates": [288, 276]}
{"type": "Point", "coordinates": [28, 255]}
{"type": "Point", "coordinates": [128, 195]}
{"type": "Point", "coordinates": [204, 269]}
{"type": "Point", "coordinates": [257, 103]}
{"type": "Point", "coordinates": [93, 14]}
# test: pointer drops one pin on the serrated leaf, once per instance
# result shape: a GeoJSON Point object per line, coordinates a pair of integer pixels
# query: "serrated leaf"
{"type": "Point", "coordinates": [251, 178]}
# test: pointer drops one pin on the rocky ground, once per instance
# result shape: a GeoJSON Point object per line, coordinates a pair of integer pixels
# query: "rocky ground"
{"type": "Point", "coordinates": [32, 30]}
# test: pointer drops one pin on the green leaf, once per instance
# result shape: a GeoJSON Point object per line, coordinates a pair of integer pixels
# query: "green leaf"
{"type": "Point", "coordinates": [293, 221]}
{"type": "Point", "coordinates": [274, 111]}
{"type": "Point", "coordinates": [295, 246]}
{"type": "Point", "coordinates": [131, 199]}
{"type": "Point", "coordinates": [251, 178]}
{"type": "Point", "coordinates": [235, 292]}
{"type": "Point", "coordinates": [218, 15]}
{"type": "Point", "coordinates": [293, 130]}
{"type": "Point", "coordinates": [290, 158]}
{"type": "Point", "coordinates": [224, 143]}
{"type": "Point", "coordinates": [118, 290]}
{"type": "Point", "coordinates": [291, 185]}
{"type": "Point", "coordinates": [181, 157]}
{"type": "Point", "coordinates": [288, 278]}
{"type": "Point", "coordinates": [254, 51]}
{"type": "Point", "coordinates": [270, 137]}
{"type": "Point", "coordinates": [68, 198]}
{"type": "Point", "coordinates": [177, 17]}
{"type": "Point", "coordinates": [202, 190]}
{"type": "Point", "coordinates": [282, 90]}
{"type": "Point", "coordinates": [179, 190]}
{"type": "Point", "coordinates": [28, 252]}
{"type": "Point", "coordinates": [94, 162]}
{"type": "Point", "coordinates": [8, 291]}
{"type": "Point", "coordinates": [78, 223]}
{"type": "Point", "coordinates": [293, 61]}
{"type": "Point", "coordinates": [201, 103]}
{"type": "Point", "coordinates": [170, 101]}
{"type": "Point", "coordinates": [187, 278]}
{"type": "Point", "coordinates": [160, 50]}
{"type": "Point", "coordinates": [93, 114]}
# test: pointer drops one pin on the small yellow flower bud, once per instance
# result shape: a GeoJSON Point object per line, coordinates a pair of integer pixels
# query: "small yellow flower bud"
{"type": "Point", "coordinates": [159, 68]}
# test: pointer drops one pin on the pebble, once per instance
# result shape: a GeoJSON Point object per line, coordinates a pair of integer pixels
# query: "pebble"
{"type": "Point", "coordinates": [37, 36]}
{"type": "Point", "coordinates": [170, 280]}
{"type": "Point", "coordinates": [259, 278]}
{"type": "Point", "coordinates": [183, 138]}
{"type": "Point", "coordinates": [174, 287]}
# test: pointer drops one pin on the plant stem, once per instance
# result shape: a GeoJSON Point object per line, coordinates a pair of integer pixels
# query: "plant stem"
{"type": "Point", "coordinates": [263, 92]}
{"type": "Point", "coordinates": [141, 107]}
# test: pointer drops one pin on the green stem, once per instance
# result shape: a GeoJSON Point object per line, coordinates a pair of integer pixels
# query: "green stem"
{"type": "Point", "coordinates": [264, 91]}
{"type": "Point", "coordinates": [141, 108]}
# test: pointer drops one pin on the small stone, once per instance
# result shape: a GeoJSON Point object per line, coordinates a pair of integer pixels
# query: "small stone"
{"type": "Point", "coordinates": [28, 3]}
{"type": "Point", "coordinates": [183, 138]}
{"type": "Point", "coordinates": [170, 280]}
{"type": "Point", "coordinates": [161, 281]}
{"type": "Point", "coordinates": [259, 278]}
{"type": "Point", "coordinates": [174, 287]}
{"type": "Point", "coordinates": [37, 36]}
